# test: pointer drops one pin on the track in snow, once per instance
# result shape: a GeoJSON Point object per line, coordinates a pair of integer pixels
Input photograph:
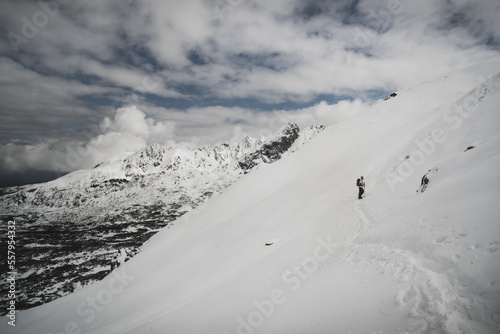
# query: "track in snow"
{"type": "Point", "coordinates": [432, 296]}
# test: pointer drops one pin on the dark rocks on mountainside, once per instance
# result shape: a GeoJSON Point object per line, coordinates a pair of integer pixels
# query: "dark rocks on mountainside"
{"type": "Point", "coordinates": [272, 151]}
{"type": "Point", "coordinates": [424, 183]}
{"type": "Point", "coordinates": [391, 96]}
{"type": "Point", "coordinates": [426, 179]}
{"type": "Point", "coordinates": [58, 256]}
{"type": "Point", "coordinates": [469, 148]}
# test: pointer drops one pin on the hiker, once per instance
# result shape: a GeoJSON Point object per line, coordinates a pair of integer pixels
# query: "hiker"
{"type": "Point", "coordinates": [361, 185]}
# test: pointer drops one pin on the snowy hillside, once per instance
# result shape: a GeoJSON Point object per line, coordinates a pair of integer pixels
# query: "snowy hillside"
{"type": "Point", "coordinates": [290, 249]}
{"type": "Point", "coordinates": [76, 229]}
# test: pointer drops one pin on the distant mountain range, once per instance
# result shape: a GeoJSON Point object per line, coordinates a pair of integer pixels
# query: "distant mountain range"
{"type": "Point", "coordinates": [78, 228]}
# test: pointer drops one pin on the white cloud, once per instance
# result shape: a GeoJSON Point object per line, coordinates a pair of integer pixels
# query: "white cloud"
{"type": "Point", "coordinates": [129, 120]}
{"type": "Point", "coordinates": [129, 131]}
{"type": "Point", "coordinates": [213, 125]}
{"type": "Point", "coordinates": [110, 145]}
{"type": "Point", "coordinates": [21, 158]}
{"type": "Point", "coordinates": [311, 54]}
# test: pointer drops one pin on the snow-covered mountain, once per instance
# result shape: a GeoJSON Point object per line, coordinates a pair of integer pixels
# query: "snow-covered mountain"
{"type": "Point", "coordinates": [76, 229]}
{"type": "Point", "coordinates": [290, 249]}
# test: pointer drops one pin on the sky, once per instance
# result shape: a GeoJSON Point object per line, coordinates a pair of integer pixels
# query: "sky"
{"type": "Point", "coordinates": [82, 81]}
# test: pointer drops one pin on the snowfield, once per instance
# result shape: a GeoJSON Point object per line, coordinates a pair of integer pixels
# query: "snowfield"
{"type": "Point", "coordinates": [290, 249]}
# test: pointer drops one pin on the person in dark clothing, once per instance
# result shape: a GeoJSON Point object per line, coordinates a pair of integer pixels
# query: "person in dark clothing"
{"type": "Point", "coordinates": [361, 185]}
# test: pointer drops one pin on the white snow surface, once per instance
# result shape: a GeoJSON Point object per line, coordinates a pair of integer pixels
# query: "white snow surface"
{"type": "Point", "coordinates": [397, 261]}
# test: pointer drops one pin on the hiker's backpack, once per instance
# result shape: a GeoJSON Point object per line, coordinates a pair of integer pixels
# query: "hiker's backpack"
{"type": "Point", "coordinates": [357, 182]}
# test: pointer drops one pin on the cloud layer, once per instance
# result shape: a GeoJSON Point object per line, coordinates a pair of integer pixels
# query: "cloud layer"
{"type": "Point", "coordinates": [199, 71]}
{"type": "Point", "coordinates": [130, 130]}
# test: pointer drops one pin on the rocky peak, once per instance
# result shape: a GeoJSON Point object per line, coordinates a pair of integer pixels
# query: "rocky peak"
{"type": "Point", "coordinates": [272, 149]}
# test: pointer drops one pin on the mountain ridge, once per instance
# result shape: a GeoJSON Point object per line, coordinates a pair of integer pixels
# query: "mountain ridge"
{"type": "Point", "coordinates": [101, 216]}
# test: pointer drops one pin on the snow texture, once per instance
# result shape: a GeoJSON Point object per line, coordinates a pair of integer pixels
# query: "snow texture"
{"type": "Point", "coordinates": [397, 261]}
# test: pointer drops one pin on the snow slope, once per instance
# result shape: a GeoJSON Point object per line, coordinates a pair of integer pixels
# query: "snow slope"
{"type": "Point", "coordinates": [76, 229]}
{"type": "Point", "coordinates": [289, 248]}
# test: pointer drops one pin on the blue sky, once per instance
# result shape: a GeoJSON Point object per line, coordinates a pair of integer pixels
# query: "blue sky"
{"type": "Point", "coordinates": [101, 78]}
